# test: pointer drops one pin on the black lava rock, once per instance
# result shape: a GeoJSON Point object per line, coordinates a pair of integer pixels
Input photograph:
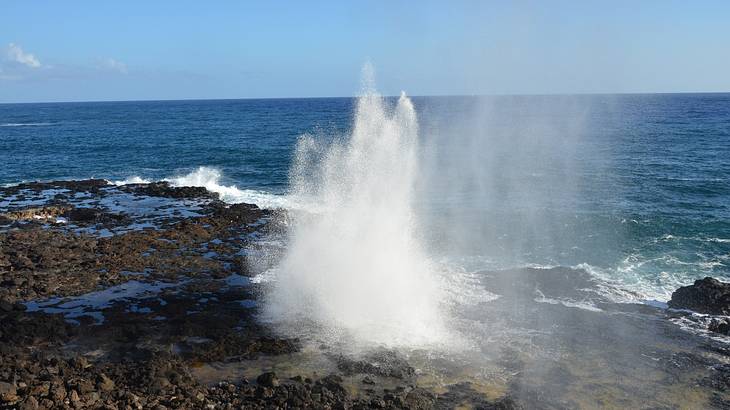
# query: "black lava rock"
{"type": "Point", "coordinates": [706, 295]}
{"type": "Point", "coordinates": [267, 379]}
{"type": "Point", "coordinates": [164, 189]}
{"type": "Point", "coordinates": [719, 326]}
{"type": "Point", "coordinates": [83, 214]}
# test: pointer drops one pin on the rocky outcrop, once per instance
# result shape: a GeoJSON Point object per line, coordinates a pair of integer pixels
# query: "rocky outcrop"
{"type": "Point", "coordinates": [46, 212]}
{"type": "Point", "coordinates": [101, 307]}
{"type": "Point", "coordinates": [386, 363]}
{"type": "Point", "coordinates": [707, 295]}
{"type": "Point", "coordinates": [164, 189]}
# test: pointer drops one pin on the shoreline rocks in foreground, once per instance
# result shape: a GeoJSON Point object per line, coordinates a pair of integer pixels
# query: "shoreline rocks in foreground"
{"type": "Point", "coordinates": [140, 296]}
{"type": "Point", "coordinates": [117, 297]}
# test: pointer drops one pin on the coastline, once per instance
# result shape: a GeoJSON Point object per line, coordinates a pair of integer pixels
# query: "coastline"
{"type": "Point", "coordinates": [107, 308]}
{"type": "Point", "coordinates": [140, 296]}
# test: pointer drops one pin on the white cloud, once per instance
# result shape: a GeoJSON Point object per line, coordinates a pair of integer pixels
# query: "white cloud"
{"type": "Point", "coordinates": [114, 65]}
{"type": "Point", "coordinates": [16, 54]}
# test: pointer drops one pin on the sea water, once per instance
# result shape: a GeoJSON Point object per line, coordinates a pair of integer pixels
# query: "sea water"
{"type": "Point", "coordinates": [633, 188]}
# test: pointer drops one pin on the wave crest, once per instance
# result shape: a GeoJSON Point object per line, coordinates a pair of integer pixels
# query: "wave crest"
{"type": "Point", "coordinates": [210, 179]}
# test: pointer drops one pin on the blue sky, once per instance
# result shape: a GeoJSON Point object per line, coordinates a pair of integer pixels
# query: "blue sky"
{"type": "Point", "coordinates": [93, 50]}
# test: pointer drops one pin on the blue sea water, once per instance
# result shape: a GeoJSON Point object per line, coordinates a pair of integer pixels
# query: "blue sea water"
{"type": "Point", "coordinates": [633, 188]}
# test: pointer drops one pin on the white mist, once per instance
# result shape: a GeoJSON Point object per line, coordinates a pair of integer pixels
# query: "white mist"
{"type": "Point", "coordinates": [354, 263]}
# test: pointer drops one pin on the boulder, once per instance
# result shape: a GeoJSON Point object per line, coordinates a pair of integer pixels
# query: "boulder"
{"type": "Point", "coordinates": [268, 379]}
{"type": "Point", "coordinates": [83, 214]}
{"type": "Point", "coordinates": [419, 398]}
{"type": "Point", "coordinates": [8, 392]}
{"type": "Point", "coordinates": [104, 383]}
{"type": "Point", "coordinates": [30, 404]}
{"type": "Point", "coordinates": [707, 295]}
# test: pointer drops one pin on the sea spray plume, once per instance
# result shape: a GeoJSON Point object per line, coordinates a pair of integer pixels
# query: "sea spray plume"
{"type": "Point", "coordinates": [355, 263]}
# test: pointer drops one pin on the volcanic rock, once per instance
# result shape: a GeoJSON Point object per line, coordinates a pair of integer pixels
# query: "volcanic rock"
{"type": "Point", "coordinates": [268, 379]}
{"type": "Point", "coordinates": [29, 404]}
{"type": "Point", "coordinates": [383, 363]}
{"type": "Point", "coordinates": [82, 214]}
{"type": "Point", "coordinates": [707, 295]}
{"type": "Point", "coordinates": [719, 326]}
{"type": "Point", "coordinates": [164, 189]}
{"type": "Point", "coordinates": [8, 392]}
{"type": "Point", "coordinates": [105, 383]}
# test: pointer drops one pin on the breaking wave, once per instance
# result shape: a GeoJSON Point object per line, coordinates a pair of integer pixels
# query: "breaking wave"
{"type": "Point", "coordinates": [210, 179]}
{"type": "Point", "coordinates": [25, 124]}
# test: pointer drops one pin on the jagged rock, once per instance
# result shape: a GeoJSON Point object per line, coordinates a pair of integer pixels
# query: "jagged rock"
{"type": "Point", "coordinates": [29, 404]}
{"type": "Point", "coordinates": [104, 383]}
{"type": "Point", "coordinates": [80, 362]}
{"type": "Point", "coordinates": [146, 350]}
{"type": "Point", "coordinates": [8, 392]}
{"type": "Point", "coordinates": [267, 379]}
{"type": "Point", "coordinates": [719, 378]}
{"type": "Point", "coordinates": [58, 393]}
{"type": "Point", "coordinates": [719, 326]}
{"type": "Point", "coordinates": [707, 295]}
{"type": "Point", "coordinates": [83, 214]}
{"type": "Point", "coordinates": [383, 363]}
{"type": "Point", "coordinates": [419, 399]}
{"type": "Point", "coordinates": [45, 212]}
{"type": "Point", "coordinates": [5, 306]}
{"type": "Point", "coordinates": [164, 189]}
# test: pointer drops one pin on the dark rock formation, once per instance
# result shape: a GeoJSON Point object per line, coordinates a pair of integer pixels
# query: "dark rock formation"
{"type": "Point", "coordinates": [164, 189]}
{"type": "Point", "coordinates": [719, 326]}
{"type": "Point", "coordinates": [384, 363]}
{"type": "Point", "coordinates": [155, 346]}
{"type": "Point", "coordinates": [706, 295]}
{"type": "Point", "coordinates": [267, 379]}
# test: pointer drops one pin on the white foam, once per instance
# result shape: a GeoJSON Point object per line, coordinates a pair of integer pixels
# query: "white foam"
{"type": "Point", "coordinates": [210, 179]}
{"type": "Point", "coordinates": [582, 304]}
{"type": "Point", "coordinates": [670, 237]}
{"type": "Point", "coordinates": [697, 323]}
{"type": "Point", "coordinates": [25, 124]}
{"type": "Point", "coordinates": [130, 180]}
{"type": "Point", "coordinates": [626, 285]}
{"type": "Point", "coordinates": [356, 267]}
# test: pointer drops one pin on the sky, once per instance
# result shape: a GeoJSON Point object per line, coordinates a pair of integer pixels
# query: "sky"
{"type": "Point", "coordinates": [149, 50]}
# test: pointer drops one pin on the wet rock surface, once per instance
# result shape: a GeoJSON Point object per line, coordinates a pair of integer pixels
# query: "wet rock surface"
{"type": "Point", "coordinates": [164, 189]}
{"type": "Point", "coordinates": [112, 297]}
{"type": "Point", "coordinates": [707, 295]}
{"type": "Point", "coordinates": [140, 297]}
{"type": "Point", "coordinates": [383, 363]}
{"type": "Point", "coordinates": [573, 333]}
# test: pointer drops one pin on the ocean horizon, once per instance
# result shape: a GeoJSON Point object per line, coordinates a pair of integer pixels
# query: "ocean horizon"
{"type": "Point", "coordinates": [355, 96]}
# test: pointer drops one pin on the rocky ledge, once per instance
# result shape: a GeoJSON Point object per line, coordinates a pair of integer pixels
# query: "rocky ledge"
{"type": "Point", "coordinates": [707, 295]}
{"type": "Point", "coordinates": [125, 297]}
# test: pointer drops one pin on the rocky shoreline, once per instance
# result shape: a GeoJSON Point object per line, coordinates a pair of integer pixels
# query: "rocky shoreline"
{"type": "Point", "coordinates": [132, 296]}
{"type": "Point", "coordinates": [101, 307]}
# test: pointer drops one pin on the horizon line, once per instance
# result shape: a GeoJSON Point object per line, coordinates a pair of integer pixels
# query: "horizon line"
{"type": "Point", "coordinates": [356, 96]}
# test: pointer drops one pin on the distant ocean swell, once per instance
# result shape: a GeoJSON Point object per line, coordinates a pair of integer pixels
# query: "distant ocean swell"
{"type": "Point", "coordinates": [26, 124]}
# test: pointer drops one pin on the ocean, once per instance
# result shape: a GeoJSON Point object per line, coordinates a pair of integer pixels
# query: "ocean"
{"type": "Point", "coordinates": [635, 189]}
